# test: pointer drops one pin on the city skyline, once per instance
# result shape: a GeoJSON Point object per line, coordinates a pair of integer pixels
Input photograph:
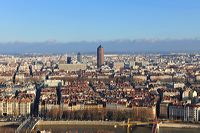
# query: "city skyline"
{"type": "Point", "coordinates": [100, 66]}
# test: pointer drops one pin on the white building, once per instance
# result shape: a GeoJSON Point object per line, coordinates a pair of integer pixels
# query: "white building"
{"type": "Point", "coordinates": [190, 113]}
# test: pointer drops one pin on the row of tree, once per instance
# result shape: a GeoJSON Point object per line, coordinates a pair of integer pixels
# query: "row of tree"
{"type": "Point", "coordinates": [103, 114]}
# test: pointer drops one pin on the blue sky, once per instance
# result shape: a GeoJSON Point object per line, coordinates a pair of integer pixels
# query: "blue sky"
{"type": "Point", "coordinates": [76, 20]}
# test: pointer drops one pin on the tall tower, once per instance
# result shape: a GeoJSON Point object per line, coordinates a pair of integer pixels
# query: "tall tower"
{"type": "Point", "coordinates": [100, 56]}
{"type": "Point", "coordinates": [79, 57]}
{"type": "Point", "coordinates": [69, 60]}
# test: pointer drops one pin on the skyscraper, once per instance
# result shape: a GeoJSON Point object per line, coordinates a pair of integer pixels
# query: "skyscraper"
{"type": "Point", "coordinates": [79, 57]}
{"type": "Point", "coordinates": [69, 60]}
{"type": "Point", "coordinates": [100, 56]}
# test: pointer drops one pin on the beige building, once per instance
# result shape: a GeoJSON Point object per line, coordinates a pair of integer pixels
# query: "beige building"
{"type": "Point", "coordinates": [15, 107]}
{"type": "Point", "coordinates": [161, 78]}
{"type": "Point", "coordinates": [139, 77]}
{"type": "Point", "coordinates": [118, 65]}
{"type": "Point", "coordinates": [72, 67]}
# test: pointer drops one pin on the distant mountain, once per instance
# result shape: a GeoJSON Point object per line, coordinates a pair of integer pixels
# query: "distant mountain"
{"type": "Point", "coordinates": [114, 46]}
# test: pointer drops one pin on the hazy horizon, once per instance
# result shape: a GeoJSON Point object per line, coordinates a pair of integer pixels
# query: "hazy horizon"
{"type": "Point", "coordinates": [111, 46]}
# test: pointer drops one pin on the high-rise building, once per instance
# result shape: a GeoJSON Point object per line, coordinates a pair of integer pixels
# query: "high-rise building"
{"type": "Point", "coordinates": [79, 57]}
{"type": "Point", "coordinates": [69, 60]}
{"type": "Point", "coordinates": [100, 56]}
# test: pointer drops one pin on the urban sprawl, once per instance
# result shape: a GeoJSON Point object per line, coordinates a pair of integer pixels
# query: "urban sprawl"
{"type": "Point", "coordinates": [107, 87]}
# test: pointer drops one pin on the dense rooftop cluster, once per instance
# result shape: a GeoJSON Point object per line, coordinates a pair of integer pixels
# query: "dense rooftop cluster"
{"type": "Point", "coordinates": [166, 86]}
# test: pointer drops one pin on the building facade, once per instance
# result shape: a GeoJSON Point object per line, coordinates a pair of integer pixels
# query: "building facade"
{"type": "Point", "coordinates": [189, 113]}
